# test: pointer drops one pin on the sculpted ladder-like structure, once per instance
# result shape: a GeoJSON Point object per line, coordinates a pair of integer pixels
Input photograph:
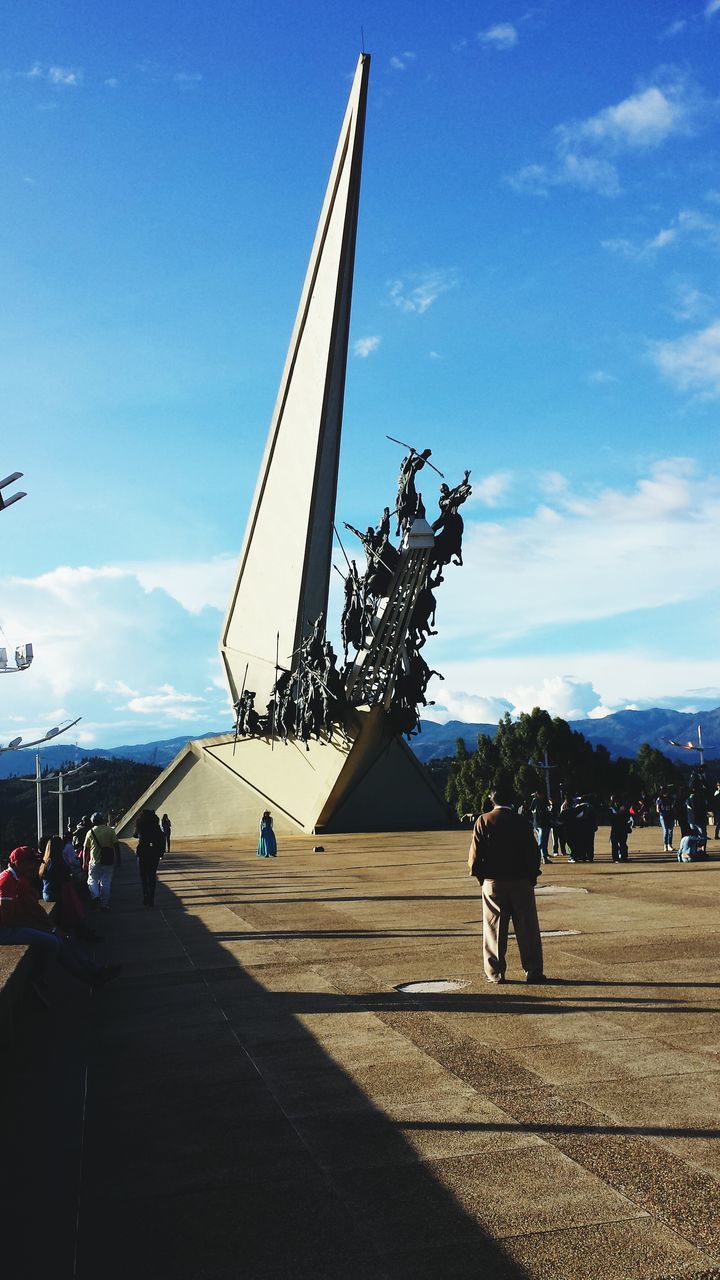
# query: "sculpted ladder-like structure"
{"type": "Point", "coordinates": [366, 778]}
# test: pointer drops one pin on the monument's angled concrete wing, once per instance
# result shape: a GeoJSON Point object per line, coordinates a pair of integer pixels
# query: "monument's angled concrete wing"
{"type": "Point", "coordinates": [355, 775]}
{"type": "Point", "coordinates": [284, 570]}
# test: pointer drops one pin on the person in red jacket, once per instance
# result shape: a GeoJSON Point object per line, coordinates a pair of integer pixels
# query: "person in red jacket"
{"type": "Point", "coordinates": [505, 858]}
{"type": "Point", "coordinates": [24, 922]}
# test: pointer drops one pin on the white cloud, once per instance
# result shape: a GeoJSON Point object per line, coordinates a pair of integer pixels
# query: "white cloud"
{"type": "Point", "coordinates": [492, 489]}
{"type": "Point", "coordinates": [613, 673]}
{"type": "Point", "coordinates": [112, 631]}
{"type": "Point", "coordinates": [585, 150]}
{"type": "Point", "coordinates": [674, 29]}
{"type": "Point", "coordinates": [692, 362]}
{"type": "Point", "coordinates": [419, 290]}
{"type": "Point", "coordinates": [646, 119]}
{"type": "Point", "coordinates": [472, 708]}
{"type": "Point", "coordinates": [363, 347]}
{"type": "Point", "coordinates": [169, 701]}
{"type": "Point", "coordinates": [589, 173]}
{"type": "Point", "coordinates": [196, 585]}
{"type": "Point", "coordinates": [560, 695]}
{"type": "Point", "coordinates": [534, 179]}
{"type": "Point", "coordinates": [601, 377]}
{"type": "Point", "coordinates": [61, 77]}
{"type": "Point", "coordinates": [156, 73]}
{"type": "Point", "coordinates": [553, 483]}
{"type": "Point", "coordinates": [563, 563]}
{"type": "Point", "coordinates": [401, 61]}
{"type": "Point", "coordinates": [713, 6]}
{"type": "Point", "coordinates": [689, 224]}
{"type": "Point", "coordinates": [690, 302]}
{"type": "Point", "coordinates": [116, 686]}
{"type": "Point", "coordinates": [64, 75]}
{"type": "Point", "coordinates": [503, 35]}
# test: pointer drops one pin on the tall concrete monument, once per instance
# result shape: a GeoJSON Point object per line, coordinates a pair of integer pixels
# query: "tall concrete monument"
{"type": "Point", "coordinates": [321, 748]}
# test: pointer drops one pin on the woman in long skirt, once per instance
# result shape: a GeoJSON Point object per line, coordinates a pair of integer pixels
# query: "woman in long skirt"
{"type": "Point", "coordinates": [267, 844]}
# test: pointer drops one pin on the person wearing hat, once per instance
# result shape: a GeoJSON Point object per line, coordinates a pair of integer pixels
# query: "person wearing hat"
{"type": "Point", "coordinates": [23, 921]}
{"type": "Point", "coordinates": [99, 852]}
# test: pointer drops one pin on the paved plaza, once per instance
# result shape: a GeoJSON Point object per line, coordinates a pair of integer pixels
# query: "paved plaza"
{"type": "Point", "coordinates": [253, 1098]}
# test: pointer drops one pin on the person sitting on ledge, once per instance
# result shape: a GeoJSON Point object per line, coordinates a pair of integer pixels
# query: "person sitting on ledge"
{"type": "Point", "coordinates": [24, 922]}
{"type": "Point", "coordinates": [59, 885]}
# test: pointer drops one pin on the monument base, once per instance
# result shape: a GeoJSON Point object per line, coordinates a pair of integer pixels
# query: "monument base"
{"type": "Point", "coordinates": [367, 781]}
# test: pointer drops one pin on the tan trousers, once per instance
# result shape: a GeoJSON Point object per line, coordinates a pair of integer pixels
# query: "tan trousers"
{"type": "Point", "coordinates": [503, 901]}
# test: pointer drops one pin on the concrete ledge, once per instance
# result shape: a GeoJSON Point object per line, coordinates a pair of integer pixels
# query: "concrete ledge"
{"type": "Point", "coordinates": [16, 970]}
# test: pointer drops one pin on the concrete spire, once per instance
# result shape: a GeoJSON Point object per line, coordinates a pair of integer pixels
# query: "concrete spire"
{"type": "Point", "coordinates": [283, 576]}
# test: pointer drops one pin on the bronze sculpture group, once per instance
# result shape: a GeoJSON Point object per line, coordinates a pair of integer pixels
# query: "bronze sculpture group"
{"type": "Point", "coordinates": [310, 697]}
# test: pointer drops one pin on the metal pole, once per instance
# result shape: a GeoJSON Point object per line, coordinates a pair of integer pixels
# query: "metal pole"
{"type": "Point", "coordinates": [701, 748]}
{"type": "Point", "coordinates": [547, 779]}
{"type": "Point", "coordinates": [38, 798]}
{"type": "Point", "coordinates": [61, 814]}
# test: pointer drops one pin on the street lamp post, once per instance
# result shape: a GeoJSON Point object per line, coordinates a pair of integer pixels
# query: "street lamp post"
{"type": "Point", "coordinates": [14, 497]}
{"type": "Point", "coordinates": [17, 744]}
{"type": "Point", "coordinates": [61, 792]}
{"type": "Point", "coordinates": [698, 746]}
{"type": "Point", "coordinates": [544, 766]}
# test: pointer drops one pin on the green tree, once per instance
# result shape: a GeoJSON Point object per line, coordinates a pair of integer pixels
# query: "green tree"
{"type": "Point", "coordinates": [654, 770]}
{"type": "Point", "coordinates": [510, 759]}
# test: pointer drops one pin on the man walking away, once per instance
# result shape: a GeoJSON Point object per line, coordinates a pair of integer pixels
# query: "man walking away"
{"type": "Point", "coordinates": [100, 852]}
{"type": "Point", "coordinates": [150, 849]}
{"type": "Point", "coordinates": [505, 858]}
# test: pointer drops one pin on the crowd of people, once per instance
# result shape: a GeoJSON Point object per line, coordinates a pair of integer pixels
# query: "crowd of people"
{"type": "Point", "coordinates": [74, 872]}
{"type": "Point", "coordinates": [568, 828]}
{"type": "Point", "coordinates": [508, 847]}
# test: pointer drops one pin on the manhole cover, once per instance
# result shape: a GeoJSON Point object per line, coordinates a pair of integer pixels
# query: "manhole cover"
{"type": "Point", "coordinates": [429, 986]}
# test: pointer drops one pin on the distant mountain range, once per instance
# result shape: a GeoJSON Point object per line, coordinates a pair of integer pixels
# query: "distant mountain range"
{"type": "Point", "coordinates": [623, 733]}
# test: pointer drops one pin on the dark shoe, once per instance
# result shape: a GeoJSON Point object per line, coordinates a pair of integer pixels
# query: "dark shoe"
{"type": "Point", "coordinates": [40, 994]}
{"type": "Point", "coordinates": [87, 935]}
{"type": "Point", "coordinates": [536, 977]}
{"type": "Point", "coordinates": [107, 974]}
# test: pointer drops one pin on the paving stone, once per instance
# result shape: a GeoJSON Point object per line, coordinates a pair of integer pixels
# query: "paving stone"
{"type": "Point", "coordinates": [252, 1097]}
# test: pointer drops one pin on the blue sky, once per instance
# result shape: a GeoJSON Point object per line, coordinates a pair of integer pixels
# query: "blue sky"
{"type": "Point", "coordinates": [537, 298]}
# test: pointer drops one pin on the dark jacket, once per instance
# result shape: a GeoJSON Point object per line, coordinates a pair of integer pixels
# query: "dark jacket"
{"type": "Point", "coordinates": [150, 836]}
{"type": "Point", "coordinates": [503, 847]}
